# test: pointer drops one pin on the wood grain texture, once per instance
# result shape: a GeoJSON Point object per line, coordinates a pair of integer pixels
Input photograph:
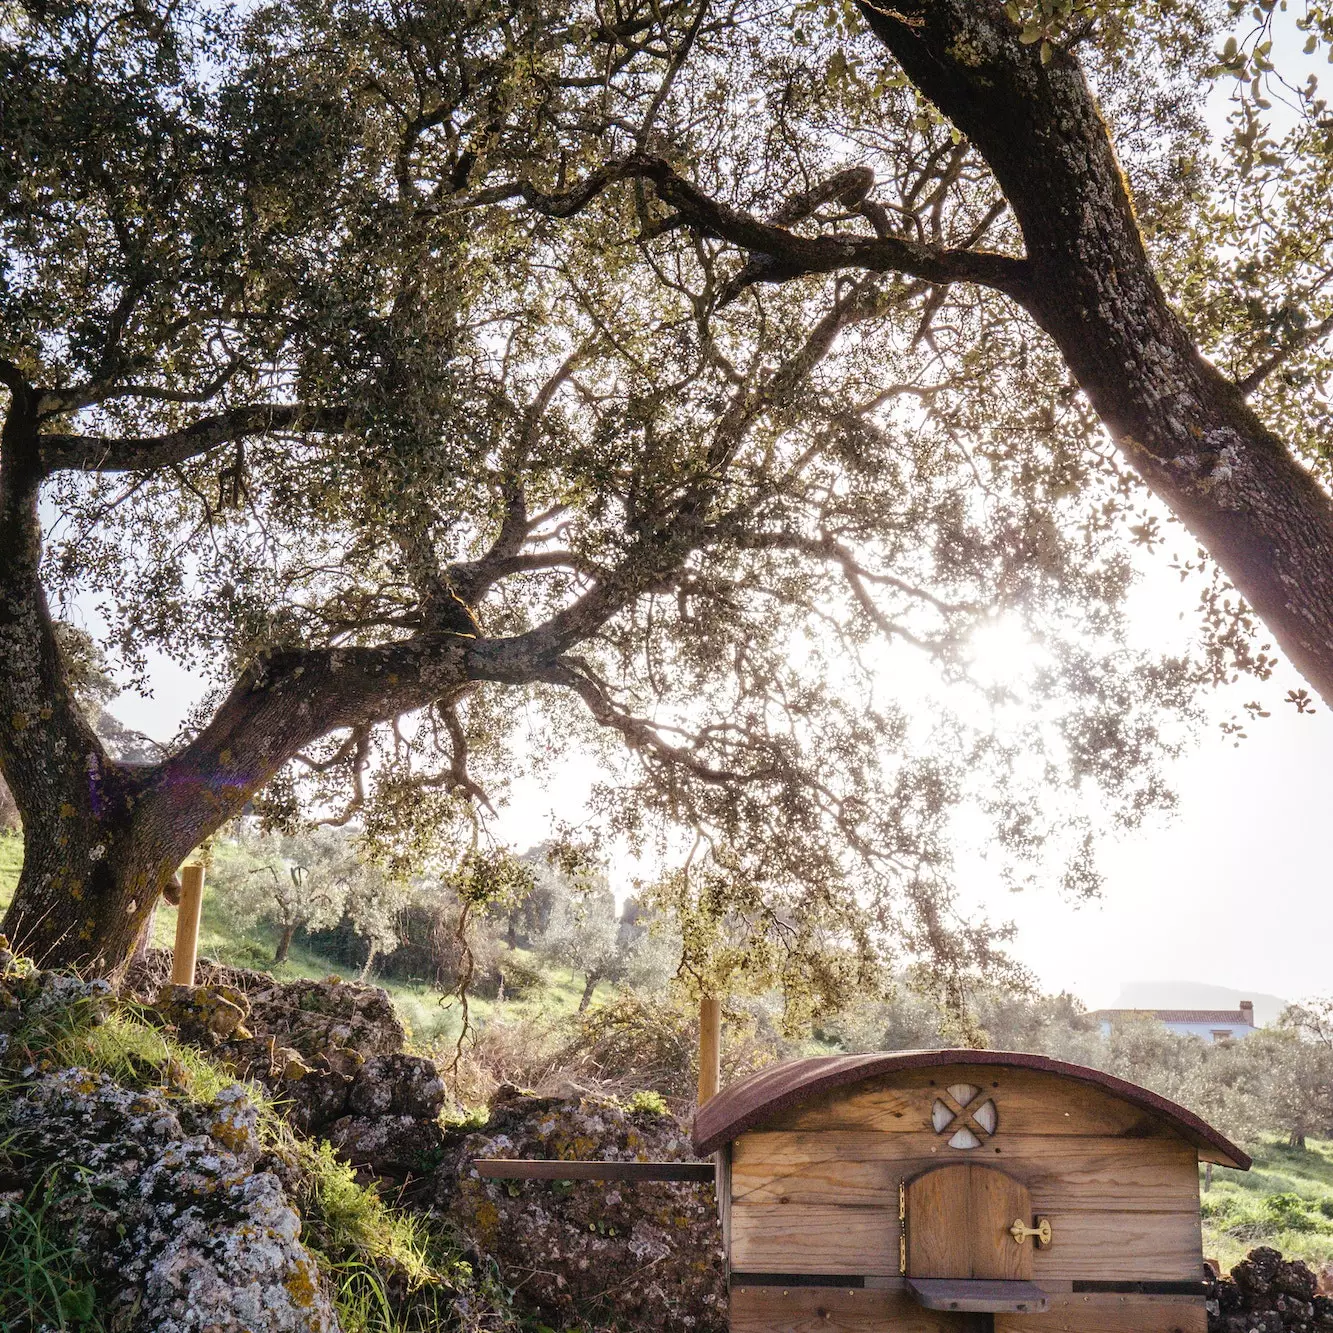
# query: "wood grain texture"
{"type": "Point", "coordinates": [939, 1239]}
{"type": "Point", "coordinates": [834, 1310]}
{"type": "Point", "coordinates": [958, 1220]}
{"type": "Point", "coordinates": [864, 1167]}
{"type": "Point", "coordinates": [997, 1201]}
{"type": "Point", "coordinates": [1110, 1314]}
{"type": "Point", "coordinates": [1028, 1102]}
{"type": "Point", "coordinates": [1090, 1245]}
{"type": "Point", "coordinates": [1122, 1247]}
{"type": "Point", "coordinates": [837, 1310]}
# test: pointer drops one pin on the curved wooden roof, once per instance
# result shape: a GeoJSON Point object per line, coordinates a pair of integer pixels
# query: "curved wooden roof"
{"type": "Point", "coordinates": [747, 1103]}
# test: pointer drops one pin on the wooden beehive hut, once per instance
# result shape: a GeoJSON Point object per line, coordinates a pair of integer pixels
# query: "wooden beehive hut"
{"type": "Point", "coordinates": [958, 1190]}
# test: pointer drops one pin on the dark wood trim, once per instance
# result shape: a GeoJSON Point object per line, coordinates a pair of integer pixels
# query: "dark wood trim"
{"type": "Point", "coordinates": [977, 1295]}
{"type": "Point", "coordinates": [796, 1280]}
{"type": "Point", "coordinates": [854, 1281]}
{"type": "Point", "coordinates": [1142, 1288]}
{"type": "Point", "coordinates": [700, 1173]}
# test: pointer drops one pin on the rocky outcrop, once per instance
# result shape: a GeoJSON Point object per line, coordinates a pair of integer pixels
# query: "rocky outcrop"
{"type": "Point", "coordinates": [330, 1051]}
{"type": "Point", "coordinates": [604, 1253]}
{"type": "Point", "coordinates": [164, 1198]}
{"type": "Point", "coordinates": [1268, 1294]}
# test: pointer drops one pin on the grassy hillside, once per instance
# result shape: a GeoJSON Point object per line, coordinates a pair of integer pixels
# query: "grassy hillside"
{"type": "Point", "coordinates": [11, 862]}
{"type": "Point", "coordinates": [1285, 1200]}
{"type": "Point", "coordinates": [419, 1006]}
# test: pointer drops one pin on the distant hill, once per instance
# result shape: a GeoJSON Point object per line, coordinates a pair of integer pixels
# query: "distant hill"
{"type": "Point", "coordinates": [1196, 995]}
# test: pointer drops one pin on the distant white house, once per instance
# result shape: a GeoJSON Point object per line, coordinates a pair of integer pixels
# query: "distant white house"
{"type": "Point", "coordinates": [1210, 1024]}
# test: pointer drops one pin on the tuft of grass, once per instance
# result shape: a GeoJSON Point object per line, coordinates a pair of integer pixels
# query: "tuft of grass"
{"type": "Point", "coordinates": [369, 1248]}
{"type": "Point", "coordinates": [648, 1102]}
{"type": "Point", "coordinates": [45, 1282]}
{"type": "Point", "coordinates": [132, 1051]}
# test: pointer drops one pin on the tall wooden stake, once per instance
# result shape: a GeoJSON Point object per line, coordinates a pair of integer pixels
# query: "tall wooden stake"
{"type": "Point", "coordinates": [710, 1046]}
{"type": "Point", "coordinates": [187, 925]}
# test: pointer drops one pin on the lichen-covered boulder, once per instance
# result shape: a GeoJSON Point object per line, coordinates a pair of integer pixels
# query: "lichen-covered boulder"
{"type": "Point", "coordinates": [387, 1146]}
{"type": "Point", "coordinates": [397, 1084]}
{"type": "Point", "coordinates": [309, 1042]}
{"type": "Point", "coordinates": [164, 1198]}
{"type": "Point", "coordinates": [602, 1253]}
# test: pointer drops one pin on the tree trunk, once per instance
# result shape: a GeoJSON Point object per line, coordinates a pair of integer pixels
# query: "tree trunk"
{"type": "Point", "coordinates": [145, 940]}
{"type": "Point", "coordinates": [1296, 1140]}
{"type": "Point", "coordinates": [93, 866]}
{"type": "Point", "coordinates": [102, 839]}
{"type": "Point", "coordinates": [1180, 423]}
{"type": "Point", "coordinates": [365, 972]}
{"type": "Point", "coordinates": [589, 986]}
{"type": "Point", "coordinates": [284, 944]}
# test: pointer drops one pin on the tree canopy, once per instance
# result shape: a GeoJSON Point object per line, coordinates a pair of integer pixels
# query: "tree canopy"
{"type": "Point", "coordinates": [455, 381]}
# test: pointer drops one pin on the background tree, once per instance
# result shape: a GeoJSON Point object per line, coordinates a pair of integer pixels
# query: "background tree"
{"type": "Point", "coordinates": [424, 479]}
{"type": "Point", "coordinates": [584, 933]}
{"type": "Point", "coordinates": [305, 882]}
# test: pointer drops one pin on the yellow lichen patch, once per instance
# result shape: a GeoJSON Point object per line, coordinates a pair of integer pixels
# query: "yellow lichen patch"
{"type": "Point", "coordinates": [301, 1286]}
{"type": "Point", "coordinates": [487, 1219]}
{"type": "Point", "coordinates": [19, 721]}
{"type": "Point", "coordinates": [229, 1135]}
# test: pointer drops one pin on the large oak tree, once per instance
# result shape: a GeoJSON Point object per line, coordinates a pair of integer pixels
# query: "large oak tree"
{"type": "Point", "coordinates": [399, 371]}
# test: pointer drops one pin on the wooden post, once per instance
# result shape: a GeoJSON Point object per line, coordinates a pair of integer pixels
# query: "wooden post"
{"type": "Point", "coordinates": [187, 925]}
{"type": "Point", "coordinates": [710, 1046]}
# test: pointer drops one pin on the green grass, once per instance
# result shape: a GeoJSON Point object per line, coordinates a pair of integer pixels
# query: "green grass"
{"type": "Point", "coordinates": [11, 862]}
{"type": "Point", "coordinates": [429, 1022]}
{"type": "Point", "coordinates": [45, 1281]}
{"type": "Point", "coordinates": [1285, 1200]}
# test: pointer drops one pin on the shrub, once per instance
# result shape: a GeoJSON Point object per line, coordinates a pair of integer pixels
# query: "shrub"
{"type": "Point", "coordinates": [645, 1102]}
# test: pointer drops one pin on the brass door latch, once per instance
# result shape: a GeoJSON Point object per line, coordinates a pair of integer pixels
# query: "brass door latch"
{"type": "Point", "coordinates": [1041, 1233]}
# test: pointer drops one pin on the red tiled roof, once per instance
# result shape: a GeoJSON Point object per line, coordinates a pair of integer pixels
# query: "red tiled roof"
{"type": "Point", "coordinates": [1233, 1017]}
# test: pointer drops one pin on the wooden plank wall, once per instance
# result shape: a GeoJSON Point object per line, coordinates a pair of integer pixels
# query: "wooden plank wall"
{"type": "Point", "coordinates": [816, 1190]}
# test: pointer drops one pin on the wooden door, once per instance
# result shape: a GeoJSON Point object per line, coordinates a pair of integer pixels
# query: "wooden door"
{"type": "Point", "coordinates": [958, 1220]}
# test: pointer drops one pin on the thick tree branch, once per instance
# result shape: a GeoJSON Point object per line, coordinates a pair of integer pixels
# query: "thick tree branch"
{"type": "Point", "coordinates": [791, 255]}
{"type": "Point", "coordinates": [98, 453]}
{"type": "Point", "coordinates": [1182, 424]}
